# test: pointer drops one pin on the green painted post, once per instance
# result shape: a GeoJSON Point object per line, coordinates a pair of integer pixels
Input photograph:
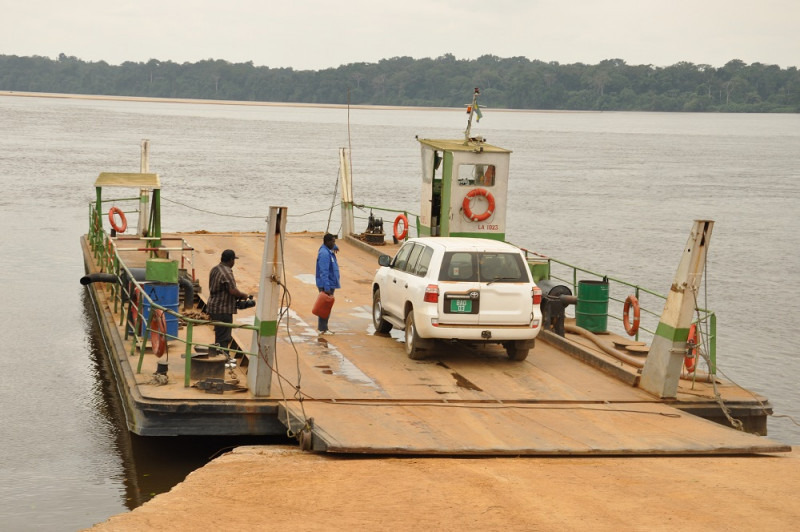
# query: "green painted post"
{"type": "Point", "coordinates": [156, 227]}
{"type": "Point", "coordinates": [144, 338]}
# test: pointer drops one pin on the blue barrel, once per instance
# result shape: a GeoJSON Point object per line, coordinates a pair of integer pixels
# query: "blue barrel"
{"type": "Point", "coordinates": [591, 312]}
{"type": "Point", "coordinates": [165, 295]}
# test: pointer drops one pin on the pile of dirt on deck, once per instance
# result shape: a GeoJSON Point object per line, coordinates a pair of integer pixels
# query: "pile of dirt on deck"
{"type": "Point", "coordinates": [282, 488]}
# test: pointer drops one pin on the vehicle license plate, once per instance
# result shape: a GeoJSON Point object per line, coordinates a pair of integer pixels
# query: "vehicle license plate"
{"type": "Point", "coordinates": [461, 305]}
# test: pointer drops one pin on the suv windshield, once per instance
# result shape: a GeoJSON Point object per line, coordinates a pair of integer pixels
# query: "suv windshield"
{"type": "Point", "coordinates": [484, 267]}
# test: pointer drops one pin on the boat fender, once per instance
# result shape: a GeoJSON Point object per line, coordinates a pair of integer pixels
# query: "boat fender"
{"type": "Point", "coordinates": [631, 327]}
{"type": "Point", "coordinates": [122, 220]}
{"type": "Point", "coordinates": [158, 331]}
{"type": "Point", "coordinates": [400, 235]}
{"type": "Point", "coordinates": [99, 278]}
{"type": "Point", "coordinates": [468, 211]}
{"type": "Point", "coordinates": [690, 360]}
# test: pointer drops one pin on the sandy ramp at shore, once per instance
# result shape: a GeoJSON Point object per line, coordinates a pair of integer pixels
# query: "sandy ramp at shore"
{"type": "Point", "coordinates": [282, 488]}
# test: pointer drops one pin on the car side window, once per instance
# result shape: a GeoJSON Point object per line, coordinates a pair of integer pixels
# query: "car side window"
{"type": "Point", "coordinates": [413, 257]}
{"type": "Point", "coordinates": [401, 259]}
{"type": "Point", "coordinates": [424, 262]}
{"type": "Point", "coordinates": [459, 266]}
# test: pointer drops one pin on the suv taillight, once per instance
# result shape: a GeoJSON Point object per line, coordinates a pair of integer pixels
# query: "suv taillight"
{"type": "Point", "coordinates": [536, 292]}
{"type": "Point", "coordinates": [432, 294]}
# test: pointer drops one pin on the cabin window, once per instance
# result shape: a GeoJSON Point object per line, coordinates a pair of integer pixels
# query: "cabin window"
{"type": "Point", "coordinates": [476, 174]}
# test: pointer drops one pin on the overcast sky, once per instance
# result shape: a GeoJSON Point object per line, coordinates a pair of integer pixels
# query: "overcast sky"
{"type": "Point", "coordinates": [318, 34]}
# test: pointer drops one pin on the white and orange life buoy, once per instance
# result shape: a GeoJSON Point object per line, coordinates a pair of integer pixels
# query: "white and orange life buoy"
{"type": "Point", "coordinates": [158, 332]}
{"type": "Point", "coordinates": [113, 221]}
{"type": "Point", "coordinates": [690, 360]}
{"type": "Point", "coordinates": [400, 235]}
{"type": "Point", "coordinates": [465, 205]}
{"type": "Point", "coordinates": [631, 327]}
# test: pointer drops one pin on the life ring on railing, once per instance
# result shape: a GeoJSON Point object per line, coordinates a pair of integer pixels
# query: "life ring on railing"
{"type": "Point", "coordinates": [690, 360]}
{"type": "Point", "coordinates": [158, 332]}
{"type": "Point", "coordinates": [400, 235]}
{"type": "Point", "coordinates": [468, 212]}
{"type": "Point", "coordinates": [123, 221]}
{"type": "Point", "coordinates": [631, 327]}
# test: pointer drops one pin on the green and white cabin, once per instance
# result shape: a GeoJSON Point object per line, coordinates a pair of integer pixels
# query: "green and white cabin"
{"type": "Point", "coordinates": [464, 188]}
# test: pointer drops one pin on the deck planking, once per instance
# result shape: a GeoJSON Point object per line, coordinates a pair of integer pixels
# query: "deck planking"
{"type": "Point", "coordinates": [365, 395]}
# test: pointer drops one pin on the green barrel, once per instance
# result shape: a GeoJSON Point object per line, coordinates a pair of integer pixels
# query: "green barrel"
{"type": "Point", "coordinates": [591, 312]}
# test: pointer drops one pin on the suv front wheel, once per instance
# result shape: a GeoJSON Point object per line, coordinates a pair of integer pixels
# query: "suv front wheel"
{"type": "Point", "coordinates": [381, 325]}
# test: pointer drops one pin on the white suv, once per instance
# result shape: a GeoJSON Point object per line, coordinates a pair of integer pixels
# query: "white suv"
{"type": "Point", "coordinates": [452, 288]}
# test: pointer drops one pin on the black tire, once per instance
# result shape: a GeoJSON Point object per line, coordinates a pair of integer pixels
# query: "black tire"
{"type": "Point", "coordinates": [381, 325]}
{"type": "Point", "coordinates": [515, 351]}
{"type": "Point", "coordinates": [412, 339]}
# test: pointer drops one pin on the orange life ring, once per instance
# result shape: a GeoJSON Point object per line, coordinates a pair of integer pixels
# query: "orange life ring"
{"type": "Point", "coordinates": [158, 331]}
{"type": "Point", "coordinates": [116, 210]}
{"type": "Point", "coordinates": [631, 327]}
{"type": "Point", "coordinates": [468, 212]}
{"type": "Point", "coordinates": [401, 235]}
{"type": "Point", "coordinates": [690, 360]}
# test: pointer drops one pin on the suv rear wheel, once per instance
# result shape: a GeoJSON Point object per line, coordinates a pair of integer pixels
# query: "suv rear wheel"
{"type": "Point", "coordinates": [516, 350]}
{"type": "Point", "coordinates": [381, 325]}
{"type": "Point", "coordinates": [413, 341]}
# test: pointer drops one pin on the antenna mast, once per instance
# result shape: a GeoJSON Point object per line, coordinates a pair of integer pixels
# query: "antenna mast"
{"type": "Point", "coordinates": [471, 110]}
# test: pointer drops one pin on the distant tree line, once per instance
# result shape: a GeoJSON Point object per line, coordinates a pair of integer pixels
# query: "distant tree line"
{"type": "Point", "coordinates": [513, 83]}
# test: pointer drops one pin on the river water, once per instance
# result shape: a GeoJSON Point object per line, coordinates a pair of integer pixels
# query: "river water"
{"type": "Point", "coordinates": [613, 192]}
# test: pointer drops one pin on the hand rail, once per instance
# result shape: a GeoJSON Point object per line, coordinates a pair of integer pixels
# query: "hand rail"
{"type": "Point", "coordinates": [105, 251]}
{"type": "Point", "coordinates": [706, 319]}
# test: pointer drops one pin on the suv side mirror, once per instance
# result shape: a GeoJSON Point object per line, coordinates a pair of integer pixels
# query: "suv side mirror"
{"type": "Point", "coordinates": [384, 260]}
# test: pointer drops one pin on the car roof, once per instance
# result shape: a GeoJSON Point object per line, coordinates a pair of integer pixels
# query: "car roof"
{"type": "Point", "coordinates": [456, 243]}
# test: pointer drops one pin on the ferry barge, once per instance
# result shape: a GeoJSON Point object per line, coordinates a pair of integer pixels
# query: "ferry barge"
{"type": "Point", "coordinates": [584, 389]}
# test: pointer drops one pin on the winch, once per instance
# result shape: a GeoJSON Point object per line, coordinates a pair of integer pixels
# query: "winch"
{"type": "Point", "coordinates": [555, 299]}
{"type": "Point", "coordinates": [374, 234]}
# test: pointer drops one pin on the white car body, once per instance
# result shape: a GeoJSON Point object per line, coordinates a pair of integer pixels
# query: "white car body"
{"type": "Point", "coordinates": [452, 288]}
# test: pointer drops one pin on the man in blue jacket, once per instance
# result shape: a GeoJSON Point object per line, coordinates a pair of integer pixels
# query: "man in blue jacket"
{"type": "Point", "coordinates": [327, 274]}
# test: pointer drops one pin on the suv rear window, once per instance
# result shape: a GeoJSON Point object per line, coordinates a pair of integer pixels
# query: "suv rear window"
{"type": "Point", "coordinates": [486, 267]}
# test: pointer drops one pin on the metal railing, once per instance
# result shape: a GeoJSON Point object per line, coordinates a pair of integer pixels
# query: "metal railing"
{"type": "Point", "coordinates": [407, 214]}
{"type": "Point", "coordinates": [131, 300]}
{"type": "Point", "coordinates": [651, 303]}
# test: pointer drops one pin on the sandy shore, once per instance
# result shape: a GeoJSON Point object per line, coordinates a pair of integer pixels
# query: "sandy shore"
{"type": "Point", "coordinates": [282, 488]}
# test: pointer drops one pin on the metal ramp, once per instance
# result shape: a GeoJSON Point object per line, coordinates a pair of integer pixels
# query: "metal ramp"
{"type": "Point", "coordinates": [463, 428]}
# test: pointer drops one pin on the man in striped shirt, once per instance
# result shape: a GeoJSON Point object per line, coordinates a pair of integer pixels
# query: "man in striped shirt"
{"type": "Point", "coordinates": [223, 293]}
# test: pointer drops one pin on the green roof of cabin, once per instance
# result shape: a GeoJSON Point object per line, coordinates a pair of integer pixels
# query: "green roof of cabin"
{"type": "Point", "coordinates": [461, 145]}
{"type": "Point", "coordinates": [109, 179]}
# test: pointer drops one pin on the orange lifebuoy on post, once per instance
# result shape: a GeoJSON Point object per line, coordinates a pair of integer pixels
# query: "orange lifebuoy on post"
{"type": "Point", "coordinates": [400, 235]}
{"type": "Point", "coordinates": [158, 332]}
{"type": "Point", "coordinates": [631, 327]}
{"type": "Point", "coordinates": [690, 360]}
{"type": "Point", "coordinates": [468, 211]}
{"type": "Point", "coordinates": [123, 221]}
